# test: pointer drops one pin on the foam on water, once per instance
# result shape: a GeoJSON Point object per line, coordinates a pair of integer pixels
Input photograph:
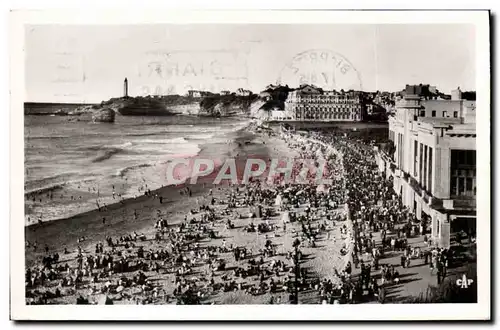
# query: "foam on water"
{"type": "Point", "coordinates": [81, 165]}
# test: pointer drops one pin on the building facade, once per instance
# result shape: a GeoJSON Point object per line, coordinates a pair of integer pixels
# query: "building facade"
{"type": "Point", "coordinates": [193, 93]}
{"type": "Point", "coordinates": [198, 94]}
{"type": "Point", "coordinates": [434, 163]}
{"type": "Point", "coordinates": [309, 103]}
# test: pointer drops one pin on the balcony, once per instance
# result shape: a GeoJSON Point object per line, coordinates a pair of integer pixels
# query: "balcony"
{"type": "Point", "coordinates": [426, 197]}
{"type": "Point", "coordinates": [415, 186]}
{"type": "Point", "coordinates": [435, 203]}
{"type": "Point", "coordinates": [459, 204]}
{"type": "Point", "coordinates": [392, 166]}
{"type": "Point", "coordinates": [464, 203]}
{"type": "Point", "coordinates": [406, 176]}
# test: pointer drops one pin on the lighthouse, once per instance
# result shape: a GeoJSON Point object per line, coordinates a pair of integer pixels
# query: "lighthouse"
{"type": "Point", "coordinates": [125, 88]}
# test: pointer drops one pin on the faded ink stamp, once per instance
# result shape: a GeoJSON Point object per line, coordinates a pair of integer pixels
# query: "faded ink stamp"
{"type": "Point", "coordinates": [165, 72]}
{"type": "Point", "coordinates": [323, 68]}
{"type": "Point", "coordinates": [67, 64]}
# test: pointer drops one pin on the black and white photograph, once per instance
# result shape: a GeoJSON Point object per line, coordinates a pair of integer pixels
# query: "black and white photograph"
{"type": "Point", "coordinates": [251, 160]}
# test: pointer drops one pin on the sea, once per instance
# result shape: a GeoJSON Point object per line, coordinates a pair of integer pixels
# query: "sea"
{"type": "Point", "coordinates": [73, 166]}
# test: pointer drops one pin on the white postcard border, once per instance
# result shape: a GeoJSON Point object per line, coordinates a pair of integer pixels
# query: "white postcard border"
{"type": "Point", "coordinates": [21, 311]}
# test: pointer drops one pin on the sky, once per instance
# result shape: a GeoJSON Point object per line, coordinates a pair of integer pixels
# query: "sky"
{"type": "Point", "coordinates": [71, 63]}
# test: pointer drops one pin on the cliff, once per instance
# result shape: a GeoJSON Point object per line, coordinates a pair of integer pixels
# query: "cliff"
{"type": "Point", "coordinates": [230, 105]}
{"type": "Point", "coordinates": [192, 108]}
{"type": "Point", "coordinates": [254, 106]}
{"type": "Point", "coordinates": [165, 105]}
{"type": "Point", "coordinates": [104, 115]}
{"type": "Point", "coordinates": [137, 106]}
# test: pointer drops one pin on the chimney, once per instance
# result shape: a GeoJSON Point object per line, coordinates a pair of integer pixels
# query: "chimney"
{"type": "Point", "coordinates": [456, 94]}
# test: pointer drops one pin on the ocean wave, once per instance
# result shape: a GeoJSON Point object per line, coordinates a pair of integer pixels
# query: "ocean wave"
{"type": "Point", "coordinates": [106, 154]}
{"type": "Point", "coordinates": [177, 140]}
{"type": "Point", "coordinates": [100, 147]}
{"type": "Point", "coordinates": [201, 136]}
{"type": "Point", "coordinates": [121, 172]}
{"type": "Point", "coordinates": [47, 137]}
{"type": "Point", "coordinates": [62, 177]}
{"type": "Point", "coordinates": [145, 134]}
{"type": "Point", "coordinates": [124, 145]}
{"type": "Point", "coordinates": [42, 190]}
{"type": "Point", "coordinates": [107, 151]}
{"type": "Point", "coordinates": [60, 184]}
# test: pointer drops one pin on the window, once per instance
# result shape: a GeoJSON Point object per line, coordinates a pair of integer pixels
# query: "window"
{"type": "Point", "coordinates": [463, 173]}
{"type": "Point", "coordinates": [429, 177]}
{"type": "Point", "coordinates": [424, 179]}
{"type": "Point", "coordinates": [420, 162]}
{"type": "Point", "coordinates": [422, 113]}
{"type": "Point", "coordinates": [445, 114]}
{"type": "Point", "coordinates": [455, 114]}
{"type": "Point", "coordinates": [415, 157]}
{"type": "Point", "coordinates": [433, 113]}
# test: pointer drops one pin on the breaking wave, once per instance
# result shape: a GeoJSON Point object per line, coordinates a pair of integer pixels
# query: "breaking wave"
{"type": "Point", "coordinates": [46, 189]}
{"type": "Point", "coordinates": [106, 154]}
{"type": "Point", "coordinates": [122, 172]}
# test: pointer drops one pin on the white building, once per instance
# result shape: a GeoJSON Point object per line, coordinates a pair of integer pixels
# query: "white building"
{"type": "Point", "coordinates": [309, 103]}
{"type": "Point", "coordinates": [434, 163]}
{"type": "Point", "coordinates": [193, 93]}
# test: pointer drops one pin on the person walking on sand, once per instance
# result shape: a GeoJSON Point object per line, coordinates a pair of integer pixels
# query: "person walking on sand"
{"type": "Point", "coordinates": [439, 272]}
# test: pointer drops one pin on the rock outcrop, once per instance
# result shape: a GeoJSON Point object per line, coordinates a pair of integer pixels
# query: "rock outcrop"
{"type": "Point", "coordinates": [104, 115]}
{"type": "Point", "coordinates": [192, 108]}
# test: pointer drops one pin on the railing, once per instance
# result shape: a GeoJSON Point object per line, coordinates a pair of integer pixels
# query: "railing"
{"type": "Point", "coordinates": [464, 203]}
{"type": "Point", "coordinates": [416, 186]}
{"type": "Point", "coordinates": [425, 197]}
{"type": "Point", "coordinates": [406, 176]}
{"type": "Point", "coordinates": [392, 166]}
{"type": "Point", "coordinates": [436, 202]}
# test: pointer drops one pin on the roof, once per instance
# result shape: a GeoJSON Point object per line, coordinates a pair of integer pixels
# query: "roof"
{"type": "Point", "coordinates": [439, 121]}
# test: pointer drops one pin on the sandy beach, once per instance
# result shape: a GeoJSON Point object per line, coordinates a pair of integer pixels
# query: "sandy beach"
{"type": "Point", "coordinates": [137, 218]}
{"type": "Point", "coordinates": [119, 217]}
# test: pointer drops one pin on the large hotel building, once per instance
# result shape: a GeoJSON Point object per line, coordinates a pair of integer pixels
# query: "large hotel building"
{"type": "Point", "coordinates": [308, 103]}
{"type": "Point", "coordinates": [434, 163]}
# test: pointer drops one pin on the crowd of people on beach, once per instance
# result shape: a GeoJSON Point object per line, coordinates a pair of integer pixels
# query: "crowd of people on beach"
{"type": "Point", "coordinates": [191, 262]}
{"type": "Point", "coordinates": [375, 208]}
